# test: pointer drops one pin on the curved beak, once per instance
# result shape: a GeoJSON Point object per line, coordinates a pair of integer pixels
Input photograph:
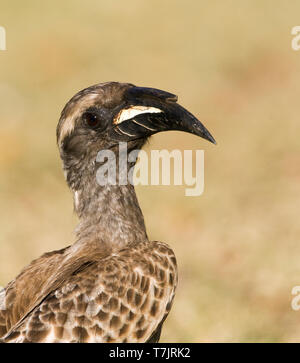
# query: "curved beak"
{"type": "Point", "coordinates": [149, 111]}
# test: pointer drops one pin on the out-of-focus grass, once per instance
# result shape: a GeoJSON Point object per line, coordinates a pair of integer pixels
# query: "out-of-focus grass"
{"type": "Point", "coordinates": [232, 65]}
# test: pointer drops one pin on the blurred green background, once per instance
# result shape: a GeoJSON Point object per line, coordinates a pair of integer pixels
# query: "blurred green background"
{"type": "Point", "coordinates": [231, 64]}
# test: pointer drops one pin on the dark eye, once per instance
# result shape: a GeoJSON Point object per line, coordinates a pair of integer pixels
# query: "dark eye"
{"type": "Point", "coordinates": [92, 120]}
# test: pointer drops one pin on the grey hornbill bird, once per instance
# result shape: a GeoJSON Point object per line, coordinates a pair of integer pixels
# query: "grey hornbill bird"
{"type": "Point", "coordinates": [112, 284]}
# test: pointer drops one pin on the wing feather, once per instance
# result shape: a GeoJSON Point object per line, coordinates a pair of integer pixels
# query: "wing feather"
{"type": "Point", "coordinates": [124, 297]}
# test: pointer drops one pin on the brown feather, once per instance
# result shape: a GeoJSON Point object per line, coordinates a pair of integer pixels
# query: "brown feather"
{"type": "Point", "coordinates": [88, 306]}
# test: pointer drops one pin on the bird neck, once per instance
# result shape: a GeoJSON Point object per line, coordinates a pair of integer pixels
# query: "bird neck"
{"type": "Point", "coordinates": [107, 213]}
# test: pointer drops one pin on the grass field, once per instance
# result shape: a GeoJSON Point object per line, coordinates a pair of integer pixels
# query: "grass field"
{"type": "Point", "coordinates": [231, 64]}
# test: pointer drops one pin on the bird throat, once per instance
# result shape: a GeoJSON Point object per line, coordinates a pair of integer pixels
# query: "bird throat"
{"type": "Point", "coordinates": [108, 214]}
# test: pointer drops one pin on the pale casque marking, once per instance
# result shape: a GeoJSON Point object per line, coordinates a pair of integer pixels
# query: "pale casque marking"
{"type": "Point", "coordinates": [125, 133]}
{"type": "Point", "coordinates": [128, 113]}
{"type": "Point", "coordinates": [146, 127]}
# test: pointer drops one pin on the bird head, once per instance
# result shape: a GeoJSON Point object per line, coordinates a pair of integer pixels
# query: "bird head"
{"type": "Point", "coordinates": [101, 116]}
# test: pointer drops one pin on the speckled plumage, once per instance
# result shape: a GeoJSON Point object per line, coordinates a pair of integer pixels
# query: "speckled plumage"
{"type": "Point", "coordinates": [117, 298]}
{"type": "Point", "coordinates": [112, 284]}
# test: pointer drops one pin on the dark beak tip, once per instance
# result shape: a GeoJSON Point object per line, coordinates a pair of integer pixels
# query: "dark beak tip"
{"type": "Point", "coordinates": [208, 136]}
{"type": "Point", "coordinates": [212, 140]}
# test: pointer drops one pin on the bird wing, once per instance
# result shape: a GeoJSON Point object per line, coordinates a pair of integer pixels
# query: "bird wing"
{"type": "Point", "coordinates": [124, 297]}
{"type": "Point", "coordinates": [21, 294]}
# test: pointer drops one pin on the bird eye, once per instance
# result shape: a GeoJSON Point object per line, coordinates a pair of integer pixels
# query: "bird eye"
{"type": "Point", "coordinates": [92, 119]}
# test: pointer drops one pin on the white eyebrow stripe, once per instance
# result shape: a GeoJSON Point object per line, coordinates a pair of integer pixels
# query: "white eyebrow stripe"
{"type": "Point", "coordinates": [140, 124]}
{"type": "Point", "coordinates": [129, 113]}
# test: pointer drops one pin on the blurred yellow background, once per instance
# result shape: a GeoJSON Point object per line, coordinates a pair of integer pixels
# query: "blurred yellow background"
{"type": "Point", "coordinates": [232, 65]}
